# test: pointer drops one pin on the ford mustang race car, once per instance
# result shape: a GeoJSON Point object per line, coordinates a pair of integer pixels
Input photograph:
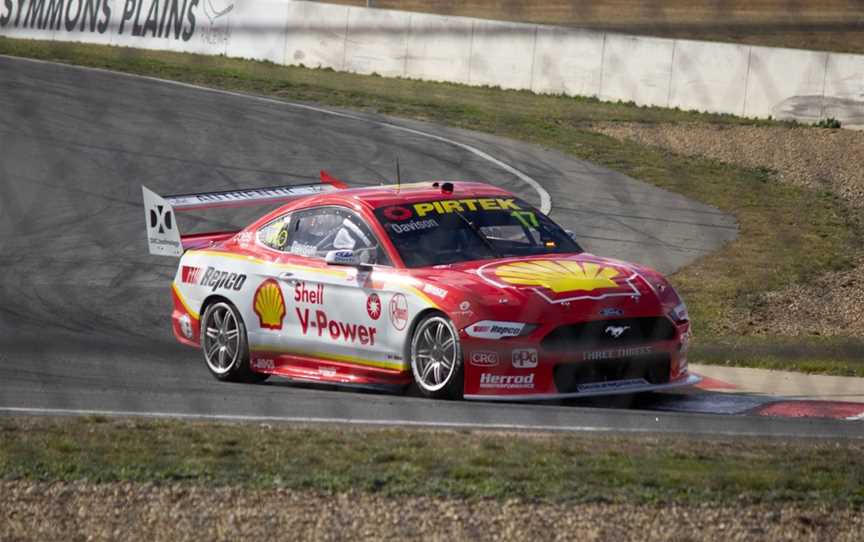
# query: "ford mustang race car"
{"type": "Point", "coordinates": [462, 289]}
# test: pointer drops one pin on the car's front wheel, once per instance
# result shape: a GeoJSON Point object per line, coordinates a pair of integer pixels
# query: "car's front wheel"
{"type": "Point", "coordinates": [436, 358]}
{"type": "Point", "coordinates": [223, 340]}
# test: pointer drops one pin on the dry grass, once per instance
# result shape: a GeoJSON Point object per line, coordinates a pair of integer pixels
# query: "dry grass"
{"type": "Point", "coordinates": [147, 512]}
{"type": "Point", "coordinates": [403, 463]}
{"type": "Point", "coordinates": [833, 25]}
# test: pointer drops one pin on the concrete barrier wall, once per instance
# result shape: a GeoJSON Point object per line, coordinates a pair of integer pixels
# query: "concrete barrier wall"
{"type": "Point", "coordinates": [845, 76]}
{"type": "Point", "coordinates": [844, 89]}
{"type": "Point", "coordinates": [568, 62]}
{"type": "Point", "coordinates": [92, 20]}
{"type": "Point", "coordinates": [709, 76]}
{"type": "Point", "coordinates": [377, 42]}
{"type": "Point", "coordinates": [259, 30]}
{"type": "Point", "coordinates": [502, 54]}
{"type": "Point", "coordinates": [778, 75]}
{"type": "Point", "coordinates": [716, 77]}
{"type": "Point", "coordinates": [436, 48]}
{"type": "Point", "coordinates": [316, 35]}
{"type": "Point", "coordinates": [637, 69]}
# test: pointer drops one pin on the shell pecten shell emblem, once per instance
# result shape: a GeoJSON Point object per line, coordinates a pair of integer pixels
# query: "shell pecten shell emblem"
{"type": "Point", "coordinates": [560, 280]}
{"type": "Point", "coordinates": [269, 305]}
{"type": "Point", "coordinates": [560, 276]}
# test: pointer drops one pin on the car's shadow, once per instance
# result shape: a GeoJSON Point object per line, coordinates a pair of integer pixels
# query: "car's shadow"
{"type": "Point", "coordinates": [704, 402]}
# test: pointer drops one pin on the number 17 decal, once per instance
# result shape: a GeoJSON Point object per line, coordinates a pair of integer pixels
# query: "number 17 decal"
{"type": "Point", "coordinates": [527, 218]}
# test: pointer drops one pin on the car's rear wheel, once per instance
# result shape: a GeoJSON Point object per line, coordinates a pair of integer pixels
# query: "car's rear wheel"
{"type": "Point", "coordinates": [436, 358]}
{"type": "Point", "coordinates": [223, 340]}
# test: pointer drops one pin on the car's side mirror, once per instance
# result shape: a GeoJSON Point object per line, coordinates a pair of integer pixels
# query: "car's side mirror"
{"type": "Point", "coordinates": [346, 257]}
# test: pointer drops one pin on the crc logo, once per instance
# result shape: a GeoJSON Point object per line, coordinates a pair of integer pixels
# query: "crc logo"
{"type": "Point", "coordinates": [525, 358]}
{"type": "Point", "coordinates": [484, 359]}
{"type": "Point", "coordinates": [616, 331]}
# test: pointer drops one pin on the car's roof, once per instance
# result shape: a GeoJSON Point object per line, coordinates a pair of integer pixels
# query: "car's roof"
{"type": "Point", "coordinates": [379, 196]}
{"type": "Point", "coordinates": [405, 193]}
{"type": "Point", "coordinates": [373, 197]}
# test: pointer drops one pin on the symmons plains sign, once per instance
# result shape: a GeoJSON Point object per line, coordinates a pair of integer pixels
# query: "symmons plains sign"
{"type": "Point", "coordinates": [167, 19]}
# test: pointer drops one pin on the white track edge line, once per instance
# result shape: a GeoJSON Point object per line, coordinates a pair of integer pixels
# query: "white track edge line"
{"type": "Point", "coordinates": [379, 423]}
{"type": "Point", "coordinates": [545, 198]}
{"type": "Point", "coordinates": [299, 419]}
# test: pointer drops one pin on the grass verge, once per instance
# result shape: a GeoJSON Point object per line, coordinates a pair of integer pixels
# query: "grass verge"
{"type": "Point", "coordinates": [455, 464]}
{"type": "Point", "coordinates": [835, 356]}
{"type": "Point", "coordinates": [788, 235]}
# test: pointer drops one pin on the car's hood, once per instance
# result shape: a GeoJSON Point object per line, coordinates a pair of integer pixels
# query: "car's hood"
{"type": "Point", "coordinates": [561, 286]}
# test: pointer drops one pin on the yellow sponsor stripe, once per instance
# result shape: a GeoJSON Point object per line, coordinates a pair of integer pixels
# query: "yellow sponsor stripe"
{"type": "Point", "coordinates": [422, 295]}
{"type": "Point", "coordinates": [183, 302]}
{"type": "Point", "coordinates": [398, 366]}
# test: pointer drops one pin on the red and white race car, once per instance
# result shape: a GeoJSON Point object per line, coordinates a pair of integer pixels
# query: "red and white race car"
{"type": "Point", "coordinates": [460, 288]}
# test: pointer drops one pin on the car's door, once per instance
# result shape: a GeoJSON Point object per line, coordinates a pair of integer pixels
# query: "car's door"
{"type": "Point", "coordinates": [330, 311]}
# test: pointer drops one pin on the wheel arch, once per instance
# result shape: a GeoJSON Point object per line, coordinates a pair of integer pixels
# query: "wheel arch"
{"type": "Point", "coordinates": [240, 370]}
{"type": "Point", "coordinates": [419, 317]}
{"type": "Point", "coordinates": [214, 298]}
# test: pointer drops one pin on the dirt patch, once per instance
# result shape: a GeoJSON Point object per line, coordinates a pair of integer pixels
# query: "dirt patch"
{"type": "Point", "coordinates": [820, 159]}
{"type": "Point", "coordinates": [127, 511]}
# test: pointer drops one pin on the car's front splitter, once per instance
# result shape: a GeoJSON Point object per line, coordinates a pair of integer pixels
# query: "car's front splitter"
{"type": "Point", "coordinates": [612, 389]}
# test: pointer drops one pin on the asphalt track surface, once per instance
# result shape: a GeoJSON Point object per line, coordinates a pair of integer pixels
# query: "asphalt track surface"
{"type": "Point", "coordinates": [84, 308]}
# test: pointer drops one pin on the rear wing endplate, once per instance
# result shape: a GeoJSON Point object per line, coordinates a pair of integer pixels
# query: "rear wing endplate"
{"type": "Point", "coordinates": [163, 234]}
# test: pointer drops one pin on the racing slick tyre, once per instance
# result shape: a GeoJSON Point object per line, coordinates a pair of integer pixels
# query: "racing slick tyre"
{"type": "Point", "coordinates": [436, 358]}
{"type": "Point", "coordinates": [223, 340]}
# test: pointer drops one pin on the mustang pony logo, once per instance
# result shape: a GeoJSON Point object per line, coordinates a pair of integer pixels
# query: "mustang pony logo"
{"type": "Point", "coordinates": [269, 305]}
{"type": "Point", "coordinates": [616, 331]}
{"type": "Point", "coordinates": [562, 281]}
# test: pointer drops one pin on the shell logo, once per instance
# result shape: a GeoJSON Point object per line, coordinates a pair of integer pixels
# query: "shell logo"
{"type": "Point", "coordinates": [269, 305]}
{"type": "Point", "coordinates": [563, 280]}
{"type": "Point", "coordinates": [561, 276]}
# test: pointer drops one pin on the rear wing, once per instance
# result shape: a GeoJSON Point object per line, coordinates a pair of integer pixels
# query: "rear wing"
{"type": "Point", "coordinates": [163, 235]}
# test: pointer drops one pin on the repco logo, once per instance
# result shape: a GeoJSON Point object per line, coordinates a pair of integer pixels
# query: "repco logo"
{"type": "Point", "coordinates": [215, 279]}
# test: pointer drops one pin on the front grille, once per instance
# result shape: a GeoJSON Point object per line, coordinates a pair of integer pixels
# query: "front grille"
{"type": "Point", "coordinates": [655, 369]}
{"type": "Point", "coordinates": [602, 334]}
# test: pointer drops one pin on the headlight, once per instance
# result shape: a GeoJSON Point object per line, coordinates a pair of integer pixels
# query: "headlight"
{"type": "Point", "coordinates": [679, 314]}
{"type": "Point", "coordinates": [491, 329]}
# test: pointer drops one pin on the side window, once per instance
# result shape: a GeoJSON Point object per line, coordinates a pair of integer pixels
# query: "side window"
{"type": "Point", "coordinates": [275, 234]}
{"type": "Point", "coordinates": [315, 232]}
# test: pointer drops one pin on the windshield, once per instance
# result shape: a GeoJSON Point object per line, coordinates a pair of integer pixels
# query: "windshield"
{"type": "Point", "coordinates": [458, 230]}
